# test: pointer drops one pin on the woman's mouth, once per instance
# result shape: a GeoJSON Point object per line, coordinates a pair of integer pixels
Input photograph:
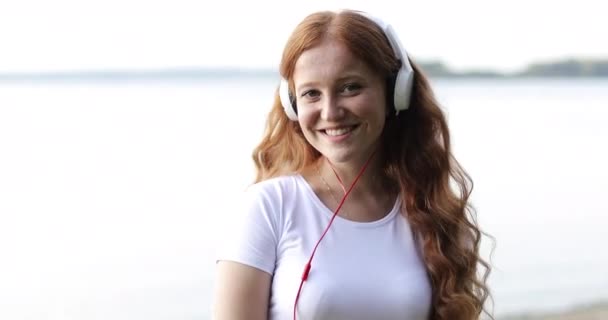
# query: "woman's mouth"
{"type": "Point", "coordinates": [339, 132]}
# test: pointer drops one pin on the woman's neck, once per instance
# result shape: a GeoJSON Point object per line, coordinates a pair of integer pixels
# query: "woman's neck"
{"type": "Point", "coordinates": [340, 176]}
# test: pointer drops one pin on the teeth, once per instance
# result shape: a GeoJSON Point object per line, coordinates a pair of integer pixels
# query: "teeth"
{"type": "Point", "coordinates": [339, 131]}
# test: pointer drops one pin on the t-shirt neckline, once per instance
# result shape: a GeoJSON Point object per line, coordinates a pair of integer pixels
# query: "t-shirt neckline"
{"type": "Point", "coordinates": [339, 219]}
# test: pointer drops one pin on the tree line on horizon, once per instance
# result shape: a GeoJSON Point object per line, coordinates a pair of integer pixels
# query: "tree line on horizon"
{"type": "Point", "coordinates": [573, 68]}
{"type": "Point", "coordinates": [563, 68]}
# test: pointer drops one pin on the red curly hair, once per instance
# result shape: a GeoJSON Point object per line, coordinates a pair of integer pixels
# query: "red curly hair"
{"type": "Point", "coordinates": [417, 160]}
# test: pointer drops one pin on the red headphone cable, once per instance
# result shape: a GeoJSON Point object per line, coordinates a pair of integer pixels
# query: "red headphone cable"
{"type": "Point", "coordinates": [309, 263]}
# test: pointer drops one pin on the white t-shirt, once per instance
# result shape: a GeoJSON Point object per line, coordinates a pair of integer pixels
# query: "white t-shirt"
{"type": "Point", "coordinates": [364, 271]}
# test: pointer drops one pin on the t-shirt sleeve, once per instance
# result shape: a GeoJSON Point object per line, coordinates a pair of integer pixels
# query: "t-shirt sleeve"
{"type": "Point", "coordinates": [250, 231]}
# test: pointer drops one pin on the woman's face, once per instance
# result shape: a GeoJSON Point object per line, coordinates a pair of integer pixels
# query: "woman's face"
{"type": "Point", "coordinates": [341, 102]}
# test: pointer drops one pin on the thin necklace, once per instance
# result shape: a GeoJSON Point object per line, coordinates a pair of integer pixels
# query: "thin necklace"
{"type": "Point", "coordinates": [329, 189]}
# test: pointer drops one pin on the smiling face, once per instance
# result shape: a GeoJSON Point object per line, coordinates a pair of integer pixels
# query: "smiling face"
{"type": "Point", "coordinates": [341, 102]}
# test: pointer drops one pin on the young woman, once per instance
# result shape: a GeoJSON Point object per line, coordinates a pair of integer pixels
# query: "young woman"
{"type": "Point", "coordinates": [359, 210]}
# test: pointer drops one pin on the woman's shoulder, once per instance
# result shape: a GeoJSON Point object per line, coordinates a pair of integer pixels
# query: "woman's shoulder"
{"type": "Point", "coordinates": [275, 187]}
{"type": "Point", "coordinates": [265, 202]}
{"type": "Point", "coordinates": [271, 194]}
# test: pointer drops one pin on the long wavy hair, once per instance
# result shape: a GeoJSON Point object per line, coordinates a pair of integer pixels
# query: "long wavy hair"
{"type": "Point", "coordinates": [417, 160]}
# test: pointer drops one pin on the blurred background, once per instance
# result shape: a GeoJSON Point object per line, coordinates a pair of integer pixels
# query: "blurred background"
{"type": "Point", "coordinates": [126, 130]}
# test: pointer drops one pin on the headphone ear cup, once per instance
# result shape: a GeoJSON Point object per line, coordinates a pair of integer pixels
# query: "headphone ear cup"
{"type": "Point", "coordinates": [402, 90]}
{"type": "Point", "coordinates": [286, 100]}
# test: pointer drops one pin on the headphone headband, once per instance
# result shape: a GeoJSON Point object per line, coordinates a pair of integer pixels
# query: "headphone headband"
{"type": "Point", "coordinates": [403, 80]}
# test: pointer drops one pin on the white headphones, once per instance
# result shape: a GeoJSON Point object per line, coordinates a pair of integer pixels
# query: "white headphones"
{"type": "Point", "coordinates": [403, 80]}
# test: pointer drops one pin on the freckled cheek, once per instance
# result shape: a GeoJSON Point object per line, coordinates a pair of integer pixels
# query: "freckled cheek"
{"type": "Point", "coordinates": [306, 118]}
{"type": "Point", "coordinates": [308, 128]}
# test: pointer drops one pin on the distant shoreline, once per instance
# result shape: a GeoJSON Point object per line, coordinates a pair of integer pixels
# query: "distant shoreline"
{"type": "Point", "coordinates": [562, 68]}
{"type": "Point", "coordinates": [591, 311]}
{"type": "Point", "coordinates": [571, 68]}
{"type": "Point", "coordinates": [161, 76]}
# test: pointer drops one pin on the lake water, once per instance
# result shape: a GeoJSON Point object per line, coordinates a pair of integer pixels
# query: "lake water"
{"type": "Point", "coordinates": [111, 192]}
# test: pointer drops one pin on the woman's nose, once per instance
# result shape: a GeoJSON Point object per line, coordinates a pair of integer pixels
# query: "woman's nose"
{"type": "Point", "coordinates": [331, 109]}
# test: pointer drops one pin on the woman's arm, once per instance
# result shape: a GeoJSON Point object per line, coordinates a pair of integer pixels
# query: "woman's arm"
{"type": "Point", "coordinates": [242, 292]}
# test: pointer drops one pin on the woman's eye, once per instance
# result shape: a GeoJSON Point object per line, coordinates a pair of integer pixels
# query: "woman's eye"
{"type": "Point", "coordinates": [310, 94]}
{"type": "Point", "coordinates": [350, 87]}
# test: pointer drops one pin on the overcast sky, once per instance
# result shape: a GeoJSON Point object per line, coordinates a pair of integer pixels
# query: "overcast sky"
{"type": "Point", "coordinates": [42, 35]}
